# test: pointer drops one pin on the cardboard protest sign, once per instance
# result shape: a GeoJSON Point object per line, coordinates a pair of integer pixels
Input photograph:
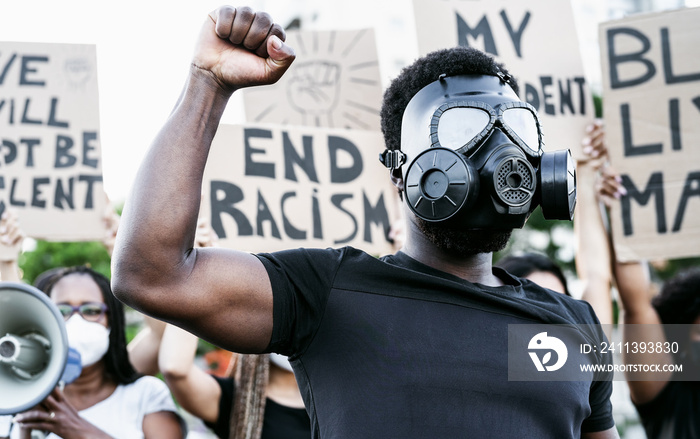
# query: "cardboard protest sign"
{"type": "Point", "coordinates": [334, 82]}
{"type": "Point", "coordinates": [50, 155]}
{"type": "Point", "coordinates": [537, 42]}
{"type": "Point", "coordinates": [272, 187]}
{"type": "Point", "coordinates": [651, 80]}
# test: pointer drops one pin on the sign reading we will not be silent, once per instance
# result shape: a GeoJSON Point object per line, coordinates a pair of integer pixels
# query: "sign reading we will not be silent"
{"type": "Point", "coordinates": [50, 156]}
{"type": "Point", "coordinates": [537, 42]}
{"type": "Point", "coordinates": [651, 79]}
{"type": "Point", "coordinates": [273, 187]}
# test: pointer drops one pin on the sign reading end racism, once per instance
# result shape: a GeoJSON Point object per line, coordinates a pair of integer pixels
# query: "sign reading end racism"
{"type": "Point", "coordinates": [50, 156]}
{"type": "Point", "coordinates": [651, 79]}
{"type": "Point", "coordinates": [537, 42]}
{"type": "Point", "coordinates": [272, 187]}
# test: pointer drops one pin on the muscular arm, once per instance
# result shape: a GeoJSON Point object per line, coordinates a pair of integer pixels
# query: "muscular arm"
{"type": "Point", "coordinates": [593, 260]}
{"type": "Point", "coordinates": [143, 349]}
{"type": "Point", "coordinates": [155, 269]}
{"type": "Point", "coordinates": [593, 255]}
{"type": "Point", "coordinates": [642, 325]}
{"type": "Point", "coordinates": [641, 322]}
{"type": "Point", "coordinates": [194, 389]}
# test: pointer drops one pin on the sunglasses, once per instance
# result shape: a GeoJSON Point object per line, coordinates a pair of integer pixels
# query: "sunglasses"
{"type": "Point", "coordinates": [92, 312]}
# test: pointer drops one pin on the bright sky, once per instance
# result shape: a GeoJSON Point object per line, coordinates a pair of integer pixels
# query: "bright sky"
{"type": "Point", "coordinates": [143, 51]}
{"type": "Point", "coordinates": [144, 48]}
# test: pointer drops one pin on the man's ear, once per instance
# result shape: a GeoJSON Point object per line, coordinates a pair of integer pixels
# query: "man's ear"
{"type": "Point", "coordinates": [397, 180]}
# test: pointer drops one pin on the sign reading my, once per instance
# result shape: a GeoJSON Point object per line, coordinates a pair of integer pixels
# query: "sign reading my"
{"type": "Point", "coordinates": [569, 93]}
{"type": "Point", "coordinates": [537, 42]}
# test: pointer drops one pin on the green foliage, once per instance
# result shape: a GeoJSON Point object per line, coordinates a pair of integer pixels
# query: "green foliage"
{"type": "Point", "coordinates": [598, 105]}
{"type": "Point", "coordinates": [559, 250]}
{"type": "Point", "coordinates": [49, 255]}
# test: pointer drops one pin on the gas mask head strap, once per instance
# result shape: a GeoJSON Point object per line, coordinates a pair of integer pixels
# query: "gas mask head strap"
{"type": "Point", "coordinates": [392, 158]}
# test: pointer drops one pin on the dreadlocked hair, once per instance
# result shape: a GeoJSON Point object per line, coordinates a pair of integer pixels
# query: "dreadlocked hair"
{"type": "Point", "coordinates": [451, 62]}
{"type": "Point", "coordinates": [250, 373]}
{"type": "Point", "coordinates": [117, 364]}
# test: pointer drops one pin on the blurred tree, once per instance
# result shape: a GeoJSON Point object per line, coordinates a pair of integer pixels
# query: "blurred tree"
{"type": "Point", "coordinates": [49, 255]}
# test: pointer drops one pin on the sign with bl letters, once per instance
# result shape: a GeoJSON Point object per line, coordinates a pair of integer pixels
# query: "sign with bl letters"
{"type": "Point", "coordinates": [651, 80]}
{"type": "Point", "coordinates": [537, 42]}
{"type": "Point", "coordinates": [50, 156]}
{"type": "Point", "coordinates": [273, 187]}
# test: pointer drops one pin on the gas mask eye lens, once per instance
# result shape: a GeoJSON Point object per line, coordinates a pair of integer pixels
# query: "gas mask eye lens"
{"type": "Point", "coordinates": [523, 123]}
{"type": "Point", "coordinates": [458, 125]}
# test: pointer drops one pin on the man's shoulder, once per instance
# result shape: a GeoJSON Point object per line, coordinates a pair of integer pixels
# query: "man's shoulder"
{"type": "Point", "coordinates": [579, 311]}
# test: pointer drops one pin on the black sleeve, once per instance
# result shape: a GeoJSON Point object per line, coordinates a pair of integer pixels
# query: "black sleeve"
{"type": "Point", "coordinates": [223, 423]}
{"type": "Point", "coordinates": [601, 417]}
{"type": "Point", "coordinates": [301, 281]}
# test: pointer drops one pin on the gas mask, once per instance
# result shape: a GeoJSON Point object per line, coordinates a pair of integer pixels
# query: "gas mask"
{"type": "Point", "coordinates": [471, 152]}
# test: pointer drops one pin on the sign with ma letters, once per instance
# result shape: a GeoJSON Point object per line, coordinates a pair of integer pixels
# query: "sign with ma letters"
{"type": "Point", "coordinates": [651, 80]}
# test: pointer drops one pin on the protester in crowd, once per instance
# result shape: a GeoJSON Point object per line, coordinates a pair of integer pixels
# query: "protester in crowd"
{"type": "Point", "coordinates": [109, 398]}
{"type": "Point", "coordinates": [593, 260]}
{"type": "Point", "coordinates": [260, 394]}
{"type": "Point", "coordinates": [260, 399]}
{"type": "Point", "coordinates": [538, 268]}
{"type": "Point", "coordinates": [409, 345]}
{"type": "Point", "coordinates": [668, 401]}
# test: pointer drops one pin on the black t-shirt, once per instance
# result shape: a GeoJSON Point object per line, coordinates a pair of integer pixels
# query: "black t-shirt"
{"type": "Point", "coordinates": [392, 348]}
{"type": "Point", "coordinates": [279, 422]}
{"type": "Point", "coordinates": [674, 413]}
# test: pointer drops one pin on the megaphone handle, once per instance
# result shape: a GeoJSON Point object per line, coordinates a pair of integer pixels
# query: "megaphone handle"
{"type": "Point", "coordinates": [35, 434]}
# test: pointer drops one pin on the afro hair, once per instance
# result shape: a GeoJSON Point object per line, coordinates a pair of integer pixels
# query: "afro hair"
{"type": "Point", "coordinates": [451, 62]}
{"type": "Point", "coordinates": [678, 304]}
{"type": "Point", "coordinates": [679, 299]}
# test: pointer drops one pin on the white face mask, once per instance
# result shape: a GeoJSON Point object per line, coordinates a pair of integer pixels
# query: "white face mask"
{"type": "Point", "coordinates": [90, 339]}
{"type": "Point", "coordinates": [281, 361]}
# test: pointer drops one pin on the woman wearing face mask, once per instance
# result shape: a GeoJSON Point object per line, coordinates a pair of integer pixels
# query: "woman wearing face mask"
{"type": "Point", "coordinates": [109, 398]}
{"type": "Point", "coordinates": [260, 400]}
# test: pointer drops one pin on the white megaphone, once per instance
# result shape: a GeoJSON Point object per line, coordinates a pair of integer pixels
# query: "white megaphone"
{"type": "Point", "coordinates": [34, 352]}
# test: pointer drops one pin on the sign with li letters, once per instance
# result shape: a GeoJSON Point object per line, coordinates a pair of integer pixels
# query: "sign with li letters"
{"type": "Point", "coordinates": [651, 80]}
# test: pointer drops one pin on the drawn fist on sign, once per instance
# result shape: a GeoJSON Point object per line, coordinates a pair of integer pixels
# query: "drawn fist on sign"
{"type": "Point", "coordinates": [314, 87]}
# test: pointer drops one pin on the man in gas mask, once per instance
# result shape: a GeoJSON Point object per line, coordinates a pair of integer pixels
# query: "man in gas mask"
{"type": "Point", "coordinates": [467, 153]}
{"type": "Point", "coordinates": [411, 345]}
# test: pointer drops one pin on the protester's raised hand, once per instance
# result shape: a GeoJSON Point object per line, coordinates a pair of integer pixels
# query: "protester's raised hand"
{"type": "Point", "coordinates": [110, 219]}
{"type": "Point", "coordinates": [205, 236]}
{"type": "Point", "coordinates": [11, 234]}
{"type": "Point", "coordinates": [242, 48]}
{"type": "Point", "coordinates": [609, 186]}
{"type": "Point", "coordinates": [593, 144]}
